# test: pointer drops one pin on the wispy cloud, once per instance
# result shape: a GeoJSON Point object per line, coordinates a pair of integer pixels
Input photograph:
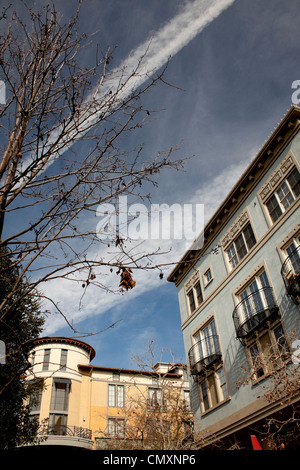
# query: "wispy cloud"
{"type": "Point", "coordinates": [96, 303]}
{"type": "Point", "coordinates": [155, 51]}
{"type": "Point", "coordinates": [167, 42]}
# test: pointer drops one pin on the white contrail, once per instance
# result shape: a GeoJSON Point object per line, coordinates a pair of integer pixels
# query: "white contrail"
{"type": "Point", "coordinates": [165, 43]}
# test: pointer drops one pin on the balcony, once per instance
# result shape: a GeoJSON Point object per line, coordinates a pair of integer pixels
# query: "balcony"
{"type": "Point", "coordinates": [253, 311]}
{"type": "Point", "coordinates": [62, 435]}
{"type": "Point", "coordinates": [204, 354]}
{"type": "Point", "coordinates": [290, 273]}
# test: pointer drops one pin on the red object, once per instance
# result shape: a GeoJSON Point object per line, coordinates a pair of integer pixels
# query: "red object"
{"type": "Point", "coordinates": [255, 443]}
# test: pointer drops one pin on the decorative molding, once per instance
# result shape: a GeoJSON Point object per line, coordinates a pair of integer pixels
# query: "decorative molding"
{"type": "Point", "coordinates": [192, 281]}
{"type": "Point", "coordinates": [235, 228]}
{"type": "Point", "coordinates": [277, 176]}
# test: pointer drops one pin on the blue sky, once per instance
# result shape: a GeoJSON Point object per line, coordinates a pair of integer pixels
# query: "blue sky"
{"type": "Point", "coordinates": [232, 85]}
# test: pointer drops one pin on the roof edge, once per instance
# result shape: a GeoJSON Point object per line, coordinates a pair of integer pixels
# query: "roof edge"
{"type": "Point", "coordinates": [65, 340]}
{"type": "Point", "coordinates": [292, 113]}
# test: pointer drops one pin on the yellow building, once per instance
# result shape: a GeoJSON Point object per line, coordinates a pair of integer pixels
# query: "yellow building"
{"type": "Point", "coordinates": [94, 407]}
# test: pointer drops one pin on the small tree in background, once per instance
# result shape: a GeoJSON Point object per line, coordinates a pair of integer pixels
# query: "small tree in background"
{"type": "Point", "coordinates": [157, 416]}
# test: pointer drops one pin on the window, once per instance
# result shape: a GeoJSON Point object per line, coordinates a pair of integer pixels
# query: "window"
{"type": "Point", "coordinates": [36, 396]}
{"type": "Point", "coordinates": [32, 359]}
{"type": "Point", "coordinates": [155, 398]}
{"type": "Point", "coordinates": [205, 351]}
{"type": "Point", "coordinates": [213, 390]}
{"type": "Point", "coordinates": [46, 359]}
{"type": "Point", "coordinates": [116, 376]}
{"type": "Point", "coordinates": [116, 427]}
{"type": "Point", "coordinates": [284, 196]}
{"type": "Point", "coordinates": [269, 351]}
{"type": "Point", "coordinates": [208, 340]}
{"type": "Point", "coordinates": [186, 400]}
{"type": "Point", "coordinates": [116, 396]}
{"type": "Point", "coordinates": [292, 252]}
{"type": "Point", "coordinates": [207, 276]}
{"type": "Point", "coordinates": [58, 423]}
{"type": "Point", "coordinates": [257, 297]}
{"type": "Point", "coordinates": [60, 395]}
{"type": "Point", "coordinates": [63, 359]}
{"type": "Point", "coordinates": [195, 297]}
{"type": "Point", "coordinates": [240, 246]}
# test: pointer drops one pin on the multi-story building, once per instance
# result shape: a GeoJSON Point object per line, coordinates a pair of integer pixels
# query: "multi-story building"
{"type": "Point", "coordinates": [238, 297]}
{"type": "Point", "coordinates": [94, 407]}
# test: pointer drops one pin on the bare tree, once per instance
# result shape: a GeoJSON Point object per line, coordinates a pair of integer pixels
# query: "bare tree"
{"type": "Point", "coordinates": [64, 152]}
{"type": "Point", "coordinates": [159, 417]}
{"type": "Point", "coordinates": [279, 364]}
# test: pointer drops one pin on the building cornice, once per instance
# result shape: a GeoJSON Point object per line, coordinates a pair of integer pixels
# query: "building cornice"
{"type": "Point", "coordinates": [65, 340]}
{"type": "Point", "coordinates": [91, 368]}
{"type": "Point", "coordinates": [275, 144]}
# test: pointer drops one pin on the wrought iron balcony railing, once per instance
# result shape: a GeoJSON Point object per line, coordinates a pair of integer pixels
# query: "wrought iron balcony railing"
{"type": "Point", "coordinates": [253, 311]}
{"type": "Point", "coordinates": [204, 354]}
{"type": "Point", "coordinates": [63, 430]}
{"type": "Point", "coordinates": [290, 272]}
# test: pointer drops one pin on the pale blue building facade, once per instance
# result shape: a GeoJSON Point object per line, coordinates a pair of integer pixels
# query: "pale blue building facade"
{"type": "Point", "coordinates": [239, 294]}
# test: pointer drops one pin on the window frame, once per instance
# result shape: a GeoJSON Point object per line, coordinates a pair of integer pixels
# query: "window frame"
{"type": "Point", "coordinates": [194, 293]}
{"type": "Point", "coordinates": [46, 359]}
{"type": "Point", "coordinates": [116, 427]}
{"type": "Point", "coordinates": [114, 398]}
{"type": "Point", "coordinates": [278, 344]}
{"type": "Point", "coordinates": [155, 399]}
{"type": "Point", "coordinates": [280, 179]}
{"type": "Point", "coordinates": [212, 383]}
{"type": "Point", "coordinates": [63, 359]}
{"type": "Point", "coordinates": [204, 335]}
{"type": "Point", "coordinates": [207, 281]}
{"type": "Point", "coordinates": [60, 402]}
{"type": "Point", "coordinates": [294, 240]}
{"type": "Point", "coordinates": [234, 253]}
{"type": "Point", "coordinates": [286, 196]}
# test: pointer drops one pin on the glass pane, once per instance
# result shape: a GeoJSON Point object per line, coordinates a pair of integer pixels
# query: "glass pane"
{"type": "Point", "coordinates": [120, 398]}
{"type": "Point", "coordinates": [191, 301]}
{"type": "Point", "coordinates": [60, 396]}
{"type": "Point", "coordinates": [223, 383]}
{"type": "Point", "coordinates": [204, 395]}
{"type": "Point", "coordinates": [294, 181]}
{"type": "Point", "coordinates": [46, 359]}
{"type": "Point", "coordinates": [294, 257]}
{"type": "Point", "coordinates": [268, 294]}
{"type": "Point", "coordinates": [232, 257]}
{"type": "Point", "coordinates": [249, 237]}
{"type": "Point", "coordinates": [240, 247]}
{"type": "Point", "coordinates": [63, 359]}
{"type": "Point", "coordinates": [212, 389]}
{"type": "Point", "coordinates": [111, 395]}
{"type": "Point", "coordinates": [281, 340]}
{"type": "Point", "coordinates": [285, 196]}
{"type": "Point", "coordinates": [256, 360]}
{"type": "Point", "coordinates": [274, 208]}
{"type": "Point", "coordinates": [198, 293]}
